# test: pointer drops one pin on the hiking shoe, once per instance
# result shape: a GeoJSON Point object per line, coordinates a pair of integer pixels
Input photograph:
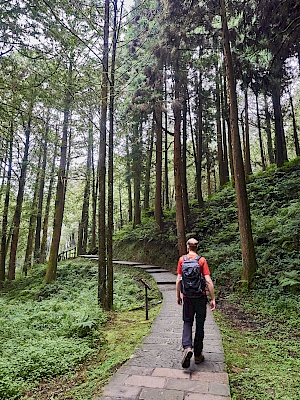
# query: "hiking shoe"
{"type": "Point", "coordinates": [199, 359]}
{"type": "Point", "coordinates": [187, 355]}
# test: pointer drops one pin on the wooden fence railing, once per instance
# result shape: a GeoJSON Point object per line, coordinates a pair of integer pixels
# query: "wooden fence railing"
{"type": "Point", "coordinates": [67, 254]}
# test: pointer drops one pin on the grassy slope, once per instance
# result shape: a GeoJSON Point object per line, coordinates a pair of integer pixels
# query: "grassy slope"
{"type": "Point", "coordinates": [260, 329]}
{"type": "Point", "coordinates": [50, 330]}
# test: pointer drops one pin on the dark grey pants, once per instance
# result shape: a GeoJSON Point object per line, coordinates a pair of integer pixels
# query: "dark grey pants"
{"type": "Point", "coordinates": [193, 307]}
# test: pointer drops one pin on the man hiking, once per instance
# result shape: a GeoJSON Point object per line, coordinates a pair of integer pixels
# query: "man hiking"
{"type": "Point", "coordinates": [193, 278]}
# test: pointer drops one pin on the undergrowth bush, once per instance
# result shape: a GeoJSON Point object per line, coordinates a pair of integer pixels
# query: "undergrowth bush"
{"type": "Point", "coordinates": [46, 330]}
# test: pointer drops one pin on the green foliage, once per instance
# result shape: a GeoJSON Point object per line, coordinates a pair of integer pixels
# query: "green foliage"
{"type": "Point", "coordinates": [265, 352]}
{"type": "Point", "coordinates": [262, 362]}
{"type": "Point", "coordinates": [46, 330]}
{"type": "Point", "coordinates": [275, 212]}
{"type": "Point", "coordinates": [148, 230]}
{"type": "Point", "coordinates": [291, 280]}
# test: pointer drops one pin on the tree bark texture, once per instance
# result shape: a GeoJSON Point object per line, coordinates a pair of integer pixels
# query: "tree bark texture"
{"type": "Point", "coordinates": [48, 203]}
{"type": "Point", "coordinates": [4, 240]}
{"type": "Point", "coordinates": [199, 142]}
{"type": "Point", "coordinates": [148, 167]}
{"type": "Point", "coordinates": [32, 222]}
{"type": "Point", "coordinates": [185, 202]}
{"type": "Point", "coordinates": [37, 241]}
{"type": "Point", "coordinates": [248, 251]}
{"type": "Point", "coordinates": [177, 165]}
{"type": "Point", "coordinates": [128, 181]}
{"type": "Point", "coordinates": [227, 139]}
{"type": "Point", "coordinates": [248, 168]}
{"type": "Point", "coordinates": [158, 167]}
{"type": "Point", "coordinates": [268, 132]}
{"type": "Point", "coordinates": [262, 155]}
{"type": "Point", "coordinates": [137, 171]}
{"type": "Point", "coordinates": [19, 203]}
{"type": "Point", "coordinates": [102, 263]}
{"type": "Point", "coordinates": [83, 225]}
{"type": "Point", "coordinates": [221, 162]}
{"type": "Point", "coordinates": [60, 189]}
{"type": "Point", "coordinates": [224, 110]}
{"type": "Point", "coordinates": [110, 207]}
{"type": "Point", "coordinates": [280, 145]}
{"type": "Point", "coordinates": [95, 184]}
{"type": "Point", "coordinates": [166, 174]}
{"type": "Point", "coordinates": [295, 132]}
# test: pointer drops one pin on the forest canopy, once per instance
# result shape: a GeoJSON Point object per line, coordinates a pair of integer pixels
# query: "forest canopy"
{"type": "Point", "coordinates": [111, 113]}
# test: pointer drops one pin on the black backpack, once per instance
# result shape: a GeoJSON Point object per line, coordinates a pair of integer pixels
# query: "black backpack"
{"type": "Point", "coordinates": [193, 283]}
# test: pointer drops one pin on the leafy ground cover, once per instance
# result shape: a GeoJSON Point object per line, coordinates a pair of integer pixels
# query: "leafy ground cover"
{"type": "Point", "coordinates": [47, 331]}
{"type": "Point", "coordinates": [262, 346]}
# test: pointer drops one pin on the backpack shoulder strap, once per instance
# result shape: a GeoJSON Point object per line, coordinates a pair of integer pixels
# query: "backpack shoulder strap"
{"type": "Point", "coordinates": [184, 257]}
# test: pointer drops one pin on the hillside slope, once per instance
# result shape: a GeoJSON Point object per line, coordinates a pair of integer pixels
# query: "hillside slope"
{"type": "Point", "coordinates": [275, 210]}
{"type": "Point", "coordinates": [260, 328]}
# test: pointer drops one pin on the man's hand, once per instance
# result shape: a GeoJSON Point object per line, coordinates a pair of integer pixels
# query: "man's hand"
{"type": "Point", "coordinates": [178, 293]}
{"type": "Point", "coordinates": [212, 304]}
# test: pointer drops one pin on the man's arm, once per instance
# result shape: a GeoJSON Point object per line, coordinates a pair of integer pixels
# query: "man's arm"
{"type": "Point", "coordinates": [178, 287]}
{"type": "Point", "coordinates": [211, 290]}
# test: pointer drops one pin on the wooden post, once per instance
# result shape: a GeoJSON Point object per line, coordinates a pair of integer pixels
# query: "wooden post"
{"type": "Point", "coordinates": [147, 286]}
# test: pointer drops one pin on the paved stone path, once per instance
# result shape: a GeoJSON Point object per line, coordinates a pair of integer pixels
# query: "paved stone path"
{"type": "Point", "coordinates": [154, 371]}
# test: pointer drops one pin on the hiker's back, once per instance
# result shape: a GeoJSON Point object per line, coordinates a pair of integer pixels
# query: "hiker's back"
{"type": "Point", "coordinates": [193, 281]}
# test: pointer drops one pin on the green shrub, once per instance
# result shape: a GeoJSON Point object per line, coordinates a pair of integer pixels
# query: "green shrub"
{"type": "Point", "coordinates": [46, 330]}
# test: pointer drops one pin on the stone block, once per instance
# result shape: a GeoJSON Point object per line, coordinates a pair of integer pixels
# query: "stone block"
{"type": "Point", "coordinates": [187, 385]}
{"type": "Point", "coordinates": [161, 394]}
{"type": "Point", "coordinates": [220, 377]}
{"type": "Point", "coordinates": [145, 381]}
{"type": "Point", "coordinates": [172, 373]}
{"type": "Point", "coordinates": [122, 392]}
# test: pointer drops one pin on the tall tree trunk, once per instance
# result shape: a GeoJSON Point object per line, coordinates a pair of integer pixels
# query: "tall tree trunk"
{"type": "Point", "coordinates": [4, 240]}
{"type": "Point", "coordinates": [248, 168]}
{"type": "Point", "coordinates": [221, 163]}
{"type": "Point", "coordinates": [148, 167]}
{"type": "Point", "coordinates": [280, 145]}
{"type": "Point", "coordinates": [48, 203]}
{"type": "Point", "coordinates": [199, 144]}
{"type": "Point", "coordinates": [227, 121]}
{"type": "Point", "coordinates": [268, 132]}
{"type": "Point", "coordinates": [102, 265]}
{"type": "Point", "coordinates": [95, 181]}
{"type": "Point", "coordinates": [208, 169]}
{"type": "Point", "coordinates": [137, 170]}
{"type": "Point", "coordinates": [262, 155]}
{"type": "Point", "coordinates": [295, 133]}
{"type": "Point", "coordinates": [3, 161]}
{"type": "Point", "coordinates": [32, 221]}
{"type": "Point", "coordinates": [193, 145]}
{"type": "Point", "coordinates": [83, 225]}
{"type": "Point", "coordinates": [128, 181]}
{"type": "Point", "coordinates": [110, 208]}
{"type": "Point", "coordinates": [185, 202]}
{"type": "Point", "coordinates": [158, 167]}
{"type": "Point", "coordinates": [248, 251]}
{"type": "Point", "coordinates": [166, 175]}
{"type": "Point", "coordinates": [177, 163]}
{"type": "Point", "coordinates": [225, 147]}
{"type": "Point", "coordinates": [37, 241]}
{"type": "Point", "coordinates": [19, 204]}
{"type": "Point", "coordinates": [120, 207]}
{"type": "Point", "coordinates": [60, 188]}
